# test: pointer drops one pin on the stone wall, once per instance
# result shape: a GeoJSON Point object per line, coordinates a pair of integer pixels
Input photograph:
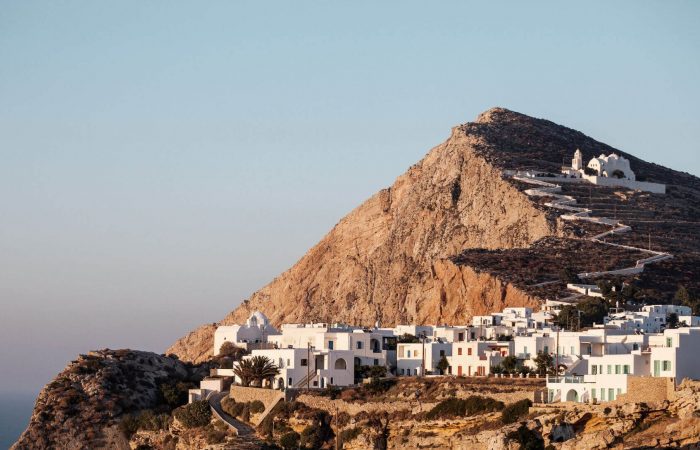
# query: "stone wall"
{"type": "Point", "coordinates": [327, 404]}
{"type": "Point", "coordinates": [648, 390]}
{"type": "Point", "coordinates": [248, 394]}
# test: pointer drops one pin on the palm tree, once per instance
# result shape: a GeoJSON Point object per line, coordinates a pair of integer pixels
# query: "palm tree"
{"type": "Point", "coordinates": [263, 369]}
{"type": "Point", "coordinates": [244, 371]}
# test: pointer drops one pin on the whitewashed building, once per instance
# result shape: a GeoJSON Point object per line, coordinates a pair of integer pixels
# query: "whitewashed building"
{"type": "Point", "coordinates": [255, 332]}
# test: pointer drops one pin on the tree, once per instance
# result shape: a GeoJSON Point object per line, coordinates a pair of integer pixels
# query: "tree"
{"type": "Point", "coordinates": [380, 422]}
{"type": "Point", "coordinates": [175, 394]}
{"type": "Point", "coordinates": [592, 311]}
{"type": "Point", "coordinates": [228, 349]}
{"type": "Point", "coordinates": [290, 440]}
{"type": "Point", "coordinates": [509, 363]}
{"type": "Point", "coordinates": [672, 320]}
{"type": "Point", "coordinates": [196, 414]}
{"type": "Point", "coordinates": [442, 365]}
{"type": "Point", "coordinates": [544, 363]}
{"type": "Point", "coordinates": [683, 297]}
{"type": "Point", "coordinates": [263, 369]}
{"type": "Point", "coordinates": [617, 173]}
{"type": "Point", "coordinates": [244, 371]}
{"type": "Point", "coordinates": [590, 171]}
{"type": "Point", "coordinates": [569, 275]}
{"type": "Point", "coordinates": [407, 339]}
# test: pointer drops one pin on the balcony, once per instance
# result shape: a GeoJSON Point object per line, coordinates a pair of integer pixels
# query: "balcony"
{"type": "Point", "coordinates": [566, 379]}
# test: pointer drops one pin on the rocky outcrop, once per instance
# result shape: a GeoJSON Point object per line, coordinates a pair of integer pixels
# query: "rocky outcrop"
{"type": "Point", "coordinates": [82, 406]}
{"type": "Point", "coordinates": [386, 260]}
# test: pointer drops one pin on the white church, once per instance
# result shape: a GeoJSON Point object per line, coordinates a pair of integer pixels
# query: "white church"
{"type": "Point", "coordinates": [610, 170]}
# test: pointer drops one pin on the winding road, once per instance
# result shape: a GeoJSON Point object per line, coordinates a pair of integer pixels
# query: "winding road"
{"type": "Point", "coordinates": [567, 202]}
{"type": "Point", "coordinates": [241, 428]}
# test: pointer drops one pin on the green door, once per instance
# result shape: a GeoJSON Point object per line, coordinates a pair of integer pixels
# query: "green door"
{"type": "Point", "coordinates": [657, 368]}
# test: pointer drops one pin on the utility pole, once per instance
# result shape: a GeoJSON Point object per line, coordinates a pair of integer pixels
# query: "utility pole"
{"type": "Point", "coordinates": [422, 369]}
{"type": "Point", "coordinates": [556, 365]}
{"type": "Point", "coordinates": [337, 429]}
{"type": "Point", "coordinates": [579, 320]}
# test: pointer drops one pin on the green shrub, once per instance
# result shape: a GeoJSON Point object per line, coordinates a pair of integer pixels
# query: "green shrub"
{"type": "Point", "coordinates": [129, 425]}
{"type": "Point", "coordinates": [245, 414]}
{"type": "Point", "coordinates": [290, 440]}
{"type": "Point", "coordinates": [175, 394]}
{"type": "Point", "coordinates": [150, 421]}
{"type": "Point", "coordinates": [256, 407]}
{"type": "Point", "coordinates": [349, 434]}
{"type": "Point", "coordinates": [215, 437]}
{"type": "Point", "coordinates": [196, 414]}
{"type": "Point", "coordinates": [457, 407]}
{"type": "Point", "coordinates": [515, 411]}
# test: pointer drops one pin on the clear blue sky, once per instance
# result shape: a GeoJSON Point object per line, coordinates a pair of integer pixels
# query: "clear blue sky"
{"type": "Point", "coordinates": [159, 161]}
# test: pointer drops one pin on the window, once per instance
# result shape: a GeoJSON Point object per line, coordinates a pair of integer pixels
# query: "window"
{"type": "Point", "coordinates": [408, 354]}
{"type": "Point", "coordinates": [546, 349]}
{"type": "Point", "coordinates": [304, 362]}
{"type": "Point", "coordinates": [611, 394]}
{"type": "Point", "coordinates": [290, 381]}
{"type": "Point", "coordinates": [331, 380]}
{"type": "Point", "coordinates": [469, 351]}
{"type": "Point", "coordinates": [572, 350]}
{"type": "Point", "coordinates": [669, 342]}
{"type": "Point", "coordinates": [617, 369]}
{"type": "Point", "coordinates": [602, 393]}
{"type": "Point", "coordinates": [666, 365]}
{"type": "Point", "coordinates": [330, 347]}
{"type": "Point", "coordinates": [415, 371]}
{"type": "Point", "coordinates": [619, 391]}
{"type": "Point", "coordinates": [359, 345]}
{"type": "Point", "coordinates": [403, 372]}
{"type": "Point", "coordinates": [609, 369]}
{"type": "Point", "coordinates": [593, 392]}
{"type": "Point", "coordinates": [287, 362]}
{"type": "Point", "coordinates": [626, 369]}
{"type": "Point", "coordinates": [376, 362]}
{"type": "Point", "coordinates": [459, 351]}
{"type": "Point", "coordinates": [525, 349]}
{"type": "Point", "coordinates": [442, 352]}
{"type": "Point", "coordinates": [594, 370]}
{"type": "Point", "coordinates": [460, 337]}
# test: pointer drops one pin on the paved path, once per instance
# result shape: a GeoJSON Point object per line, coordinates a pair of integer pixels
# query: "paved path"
{"type": "Point", "coordinates": [241, 428]}
{"type": "Point", "coordinates": [567, 202]}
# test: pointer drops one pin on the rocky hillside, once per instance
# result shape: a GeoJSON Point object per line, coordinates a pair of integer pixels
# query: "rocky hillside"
{"type": "Point", "coordinates": [82, 407]}
{"type": "Point", "coordinates": [394, 258]}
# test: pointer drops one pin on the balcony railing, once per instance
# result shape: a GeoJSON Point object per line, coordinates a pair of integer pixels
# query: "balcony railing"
{"type": "Point", "coordinates": [565, 379]}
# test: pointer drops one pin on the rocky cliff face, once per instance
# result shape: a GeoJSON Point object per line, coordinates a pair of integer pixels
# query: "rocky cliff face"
{"type": "Point", "coordinates": [82, 406]}
{"type": "Point", "coordinates": [388, 260]}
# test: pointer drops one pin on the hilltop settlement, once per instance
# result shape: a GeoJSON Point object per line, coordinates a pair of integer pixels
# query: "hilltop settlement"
{"type": "Point", "coordinates": [523, 286]}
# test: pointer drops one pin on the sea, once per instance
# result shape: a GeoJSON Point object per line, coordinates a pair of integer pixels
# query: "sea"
{"type": "Point", "coordinates": [15, 411]}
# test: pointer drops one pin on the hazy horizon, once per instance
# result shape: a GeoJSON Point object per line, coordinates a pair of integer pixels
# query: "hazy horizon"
{"type": "Point", "coordinates": [162, 161]}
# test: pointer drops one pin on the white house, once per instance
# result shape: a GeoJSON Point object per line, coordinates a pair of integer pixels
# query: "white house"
{"type": "Point", "coordinates": [411, 358]}
{"type": "Point", "coordinates": [651, 318]}
{"type": "Point", "coordinates": [605, 372]}
{"type": "Point", "coordinates": [476, 358]}
{"type": "Point", "coordinates": [256, 331]}
{"type": "Point", "coordinates": [369, 348]}
{"type": "Point", "coordinates": [302, 367]}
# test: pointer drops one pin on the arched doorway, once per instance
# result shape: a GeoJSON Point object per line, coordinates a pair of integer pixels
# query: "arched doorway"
{"type": "Point", "coordinates": [340, 364]}
{"type": "Point", "coordinates": [572, 396]}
